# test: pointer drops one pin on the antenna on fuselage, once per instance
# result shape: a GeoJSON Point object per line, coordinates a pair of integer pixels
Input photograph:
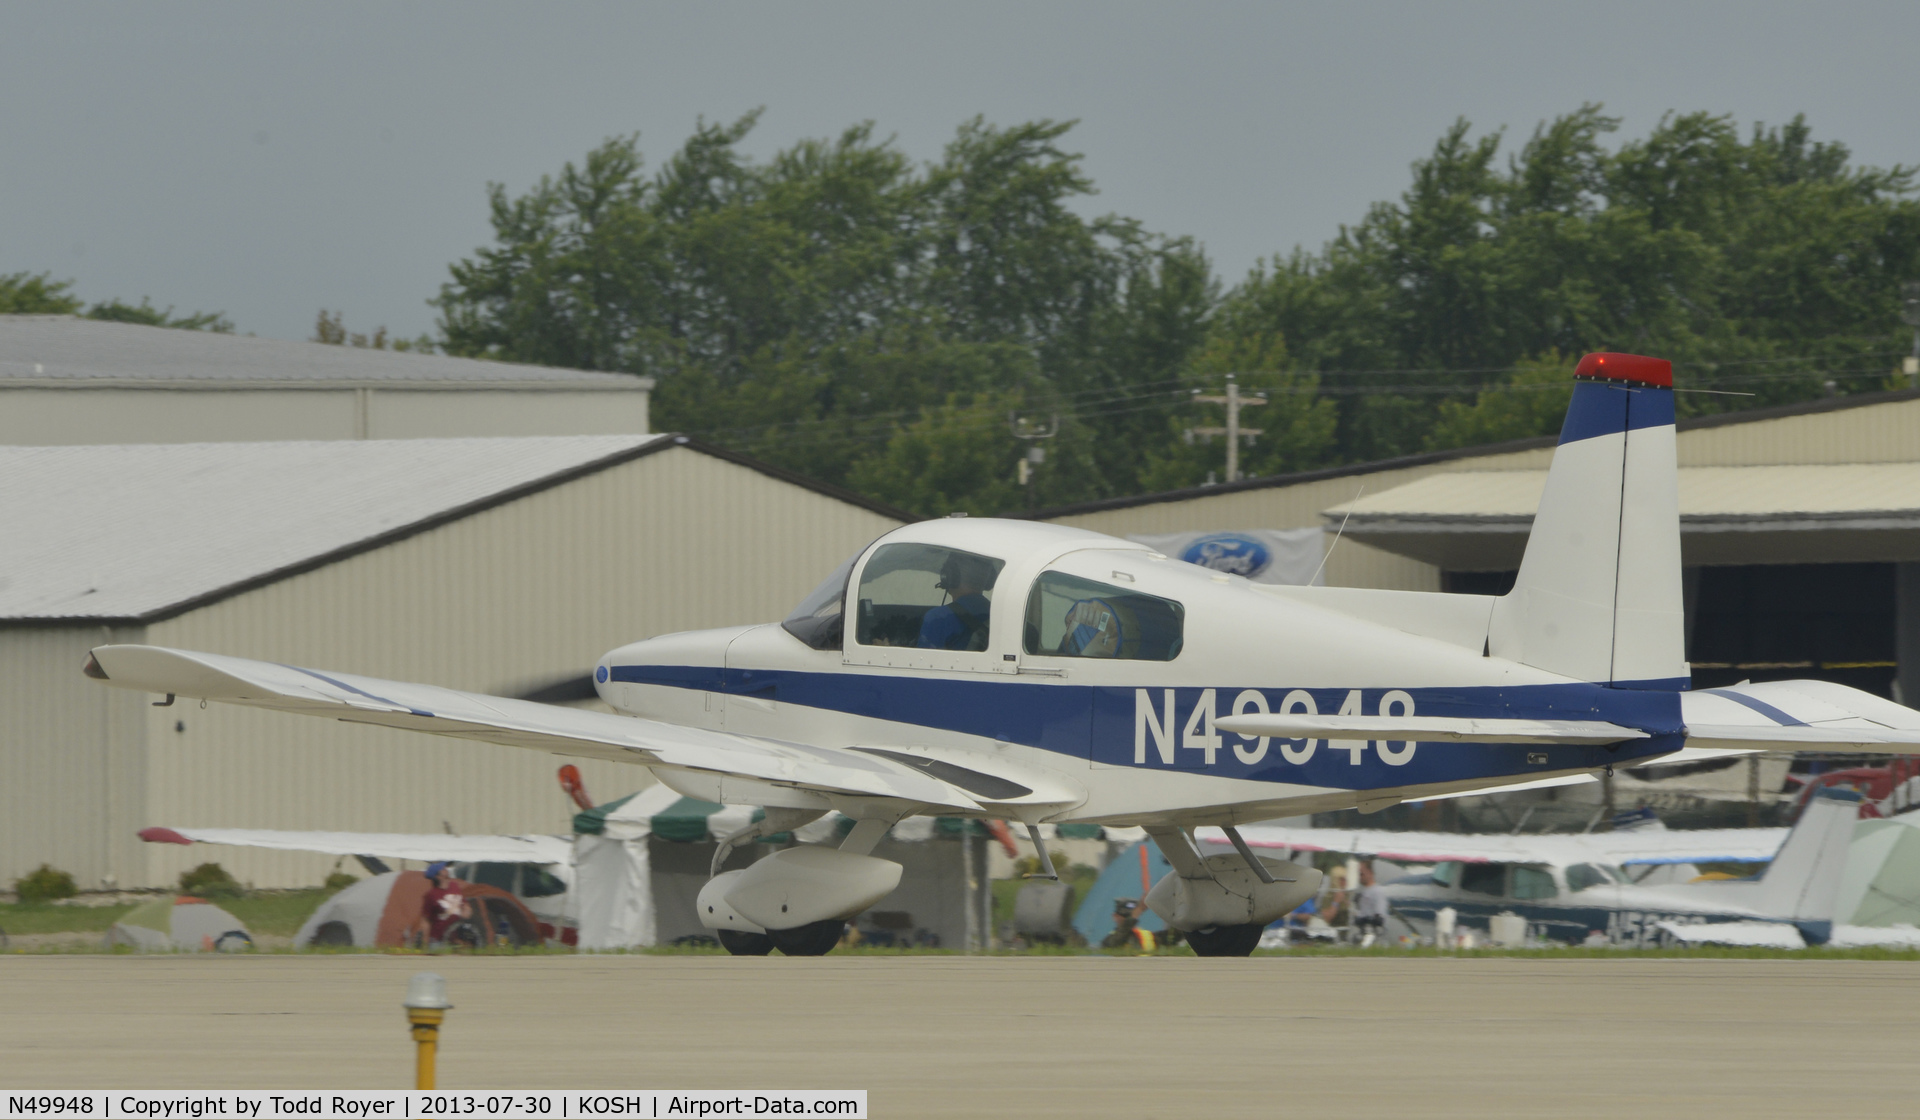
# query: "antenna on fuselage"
{"type": "Point", "coordinates": [1328, 554]}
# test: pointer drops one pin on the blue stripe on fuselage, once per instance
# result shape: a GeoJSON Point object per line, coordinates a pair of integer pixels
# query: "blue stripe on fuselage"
{"type": "Point", "coordinates": [1601, 408]}
{"type": "Point", "coordinates": [1105, 724]}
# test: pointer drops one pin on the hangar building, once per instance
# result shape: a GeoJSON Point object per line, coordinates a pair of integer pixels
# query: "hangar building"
{"type": "Point", "coordinates": [65, 379]}
{"type": "Point", "coordinates": [1799, 529]}
{"type": "Point", "coordinates": [499, 565]}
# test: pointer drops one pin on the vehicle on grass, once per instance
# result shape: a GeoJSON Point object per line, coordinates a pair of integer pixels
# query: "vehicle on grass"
{"type": "Point", "coordinates": [1021, 671]}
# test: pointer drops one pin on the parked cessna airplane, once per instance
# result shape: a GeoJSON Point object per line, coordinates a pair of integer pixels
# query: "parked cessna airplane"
{"type": "Point", "coordinates": [1568, 887]}
{"type": "Point", "coordinates": [1030, 672]}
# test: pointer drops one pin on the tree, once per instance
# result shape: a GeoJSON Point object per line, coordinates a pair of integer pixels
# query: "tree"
{"type": "Point", "coordinates": [145, 314]}
{"type": "Point", "coordinates": [1766, 261]}
{"type": "Point", "coordinates": [27, 293]}
{"type": "Point", "coordinates": [822, 309]}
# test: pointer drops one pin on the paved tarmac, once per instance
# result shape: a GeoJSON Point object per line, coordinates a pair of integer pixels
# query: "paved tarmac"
{"type": "Point", "coordinates": [1114, 1038]}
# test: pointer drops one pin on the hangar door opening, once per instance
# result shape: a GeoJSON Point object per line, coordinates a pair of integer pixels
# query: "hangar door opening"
{"type": "Point", "coordinates": [1762, 622]}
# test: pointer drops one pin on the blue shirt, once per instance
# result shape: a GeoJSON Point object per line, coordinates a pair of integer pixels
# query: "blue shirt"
{"type": "Point", "coordinates": [943, 628]}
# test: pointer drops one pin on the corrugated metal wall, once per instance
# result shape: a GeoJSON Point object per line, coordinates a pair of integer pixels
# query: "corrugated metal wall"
{"type": "Point", "coordinates": [72, 760]}
{"type": "Point", "coordinates": [517, 595]}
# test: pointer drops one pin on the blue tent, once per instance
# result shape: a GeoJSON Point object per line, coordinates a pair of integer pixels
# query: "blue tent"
{"type": "Point", "coordinates": [1121, 879]}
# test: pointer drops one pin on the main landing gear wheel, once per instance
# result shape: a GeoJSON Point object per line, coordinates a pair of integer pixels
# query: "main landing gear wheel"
{"type": "Point", "coordinates": [743, 944]}
{"type": "Point", "coordinates": [1225, 941]}
{"type": "Point", "coordinates": [815, 939]}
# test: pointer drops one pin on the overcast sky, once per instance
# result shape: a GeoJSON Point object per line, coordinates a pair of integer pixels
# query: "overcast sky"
{"type": "Point", "coordinates": [268, 160]}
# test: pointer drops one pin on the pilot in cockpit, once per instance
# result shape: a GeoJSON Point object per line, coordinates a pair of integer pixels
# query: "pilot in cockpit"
{"type": "Point", "coordinates": [960, 623]}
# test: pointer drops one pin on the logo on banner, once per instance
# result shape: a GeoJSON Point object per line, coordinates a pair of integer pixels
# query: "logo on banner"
{"type": "Point", "coordinates": [1230, 553]}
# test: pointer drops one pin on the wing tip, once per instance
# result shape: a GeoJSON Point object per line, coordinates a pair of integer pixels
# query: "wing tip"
{"type": "Point", "coordinates": [162, 836]}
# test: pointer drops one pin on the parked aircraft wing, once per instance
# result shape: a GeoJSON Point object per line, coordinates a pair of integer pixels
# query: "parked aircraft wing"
{"type": "Point", "coordinates": [1799, 715]}
{"type": "Point", "coordinates": [1428, 729]}
{"type": "Point", "coordinates": [426, 847]}
{"type": "Point", "coordinates": [1731, 845]}
{"type": "Point", "coordinates": [517, 723]}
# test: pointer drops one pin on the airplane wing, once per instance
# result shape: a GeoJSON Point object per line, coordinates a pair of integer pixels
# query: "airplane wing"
{"type": "Point", "coordinates": [523, 723]}
{"type": "Point", "coordinates": [426, 847]}
{"type": "Point", "coordinates": [1732, 845]}
{"type": "Point", "coordinates": [1798, 715]}
{"type": "Point", "coordinates": [1429, 729]}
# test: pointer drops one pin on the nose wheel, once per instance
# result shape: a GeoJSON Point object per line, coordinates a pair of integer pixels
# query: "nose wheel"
{"type": "Point", "coordinates": [815, 939]}
{"type": "Point", "coordinates": [1225, 941]}
{"type": "Point", "coordinates": [743, 944]}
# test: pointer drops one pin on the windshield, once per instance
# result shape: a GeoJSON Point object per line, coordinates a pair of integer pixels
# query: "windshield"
{"type": "Point", "coordinates": [818, 620]}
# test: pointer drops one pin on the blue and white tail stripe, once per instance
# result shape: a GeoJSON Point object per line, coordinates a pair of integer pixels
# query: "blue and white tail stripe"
{"type": "Point", "coordinates": [1598, 596]}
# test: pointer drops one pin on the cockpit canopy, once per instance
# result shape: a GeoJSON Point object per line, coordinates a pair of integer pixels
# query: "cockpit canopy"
{"type": "Point", "coordinates": [932, 595]}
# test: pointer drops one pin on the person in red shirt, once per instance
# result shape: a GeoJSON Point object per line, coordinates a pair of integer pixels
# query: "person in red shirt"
{"type": "Point", "coordinates": [443, 906]}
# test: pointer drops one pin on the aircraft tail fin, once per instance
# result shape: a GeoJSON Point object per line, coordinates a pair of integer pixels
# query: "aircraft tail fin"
{"type": "Point", "coordinates": [1803, 881]}
{"type": "Point", "coordinates": [1598, 597]}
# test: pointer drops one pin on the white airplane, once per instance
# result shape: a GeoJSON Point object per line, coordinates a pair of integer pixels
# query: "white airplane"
{"type": "Point", "coordinates": [1568, 887]}
{"type": "Point", "coordinates": [538, 870]}
{"type": "Point", "coordinates": [1030, 672]}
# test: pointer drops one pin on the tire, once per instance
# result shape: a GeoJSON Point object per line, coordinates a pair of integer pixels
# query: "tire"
{"type": "Point", "coordinates": [743, 944]}
{"type": "Point", "coordinates": [1226, 941]}
{"type": "Point", "coordinates": [815, 939]}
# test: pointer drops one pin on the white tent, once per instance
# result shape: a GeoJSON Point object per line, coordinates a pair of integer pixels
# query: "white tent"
{"type": "Point", "coordinates": [640, 861]}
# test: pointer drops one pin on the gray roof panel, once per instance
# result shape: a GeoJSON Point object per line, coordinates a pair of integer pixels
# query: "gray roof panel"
{"type": "Point", "coordinates": [66, 351]}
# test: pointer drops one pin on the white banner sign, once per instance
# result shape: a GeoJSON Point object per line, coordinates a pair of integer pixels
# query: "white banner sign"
{"type": "Point", "coordinates": [369, 1104]}
{"type": "Point", "coordinates": [1261, 555]}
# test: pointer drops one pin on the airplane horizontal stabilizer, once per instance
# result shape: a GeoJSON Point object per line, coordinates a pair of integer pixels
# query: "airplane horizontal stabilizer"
{"type": "Point", "coordinates": [765, 764]}
{"type": "Point", "coordinates": [1429, 729]}
{"type": "Point", "coordinates": [1799, 715]}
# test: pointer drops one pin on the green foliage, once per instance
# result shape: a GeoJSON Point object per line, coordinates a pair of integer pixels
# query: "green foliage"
{"type": "Point", "coordinates": [330, 328]}
{"type": "Point", "coordinates": [26, 293]}
{"type": "Point", "coordinates": [339, 881]}
{"type": "Point", "coordinates": [1764, 263]}
{"type": "Point", "coordinates": [147, 315]}
{"type": "Point", "coordinates": [849, 315]}
{"type": "Point", "coordinates": [44, 884]}
{"type": "Point", "coordinates": [1532, 401]}
{"type": "Point", "coordinates": [836, 310]}
{"type": "Point", "coordinates": [209, 880]}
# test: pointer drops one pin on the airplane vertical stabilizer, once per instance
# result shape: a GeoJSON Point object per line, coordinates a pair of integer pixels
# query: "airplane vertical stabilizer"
{"type": "Point", "coordinates": [1599, 595]}
{"type": "Point", "coordinates": [1803, 881]}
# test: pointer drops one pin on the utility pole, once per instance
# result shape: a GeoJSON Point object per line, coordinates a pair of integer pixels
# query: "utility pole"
{"type": "Point", "coordinates": [1233, 431]}
{"type": "Point", "coordinates": [1031, 431]}
{"type": "Point", "coordinates": [1910, 311]}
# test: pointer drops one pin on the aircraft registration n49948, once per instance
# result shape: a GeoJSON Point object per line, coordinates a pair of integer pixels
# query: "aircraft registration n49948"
{"type": "Point", "coordinates": [1035, 673]}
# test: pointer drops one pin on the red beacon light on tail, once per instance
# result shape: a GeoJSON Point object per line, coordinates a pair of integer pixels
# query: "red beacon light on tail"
{"type": "Point", "coordinates": [1627, 367]}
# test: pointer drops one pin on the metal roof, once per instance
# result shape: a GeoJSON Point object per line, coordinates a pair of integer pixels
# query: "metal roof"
{"type": "Point", "coordinates": [131, 532]}
{"type": "Point", "coordinates": [1479, 519]}
{"type": "Point", "coordinates": [66, 352]}
{"type": "Point", "coordinates": [1428, 458]}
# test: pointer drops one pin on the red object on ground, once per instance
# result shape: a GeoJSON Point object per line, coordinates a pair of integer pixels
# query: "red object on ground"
{"type": "Point", "coordinates": [576, 789]}
{"type": "Point", "coordinates": [1627, 367]}
{"type": "Point", "coordinates": [999, 831]}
